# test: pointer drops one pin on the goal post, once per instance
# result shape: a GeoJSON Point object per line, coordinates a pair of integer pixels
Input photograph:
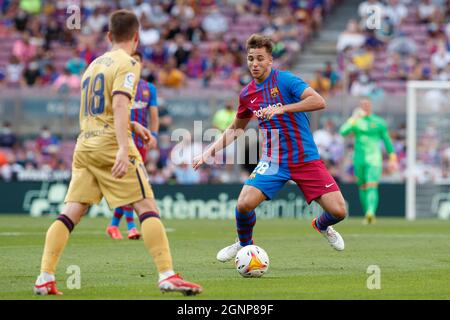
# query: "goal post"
{"type": "Point", "coordinates": [428, 109]}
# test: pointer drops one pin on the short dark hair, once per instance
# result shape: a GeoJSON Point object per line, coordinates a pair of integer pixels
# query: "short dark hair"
{"type": "Point", "coordinates": [257, 41]}
{"type": "Point", "coordinates": [123, 24]}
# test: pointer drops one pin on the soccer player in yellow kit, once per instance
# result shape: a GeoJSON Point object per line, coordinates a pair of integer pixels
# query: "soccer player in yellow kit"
{"type": "Point", "coordinates": [107, 163]}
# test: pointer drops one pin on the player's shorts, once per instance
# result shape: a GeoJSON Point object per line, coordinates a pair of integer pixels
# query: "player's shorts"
{"type": "Point", "coordinates": [143, 152]}
{"type": "Point", "coordinates": [311, 177]}
{"type": "Point", "coordinates": [366, 173]}
{"type": "Point", "coordinates": [92, 180]}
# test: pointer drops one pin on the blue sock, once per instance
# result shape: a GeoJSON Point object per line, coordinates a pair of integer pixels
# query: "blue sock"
{"type": "Point", "coordinates": [129, 216]}
{"type": "Point", "coordinates": [244, 225]}
{"type": "Point", "coordinates": [325, 220]}
{"type": "Point", "coordinates": [118, 213]}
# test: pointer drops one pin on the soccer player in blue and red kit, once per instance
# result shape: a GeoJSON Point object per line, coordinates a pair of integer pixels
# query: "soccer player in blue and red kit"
{"type": "Point", "coordinates": [280, 101]}
{"type": "Point", "coordinates": [145, 105]}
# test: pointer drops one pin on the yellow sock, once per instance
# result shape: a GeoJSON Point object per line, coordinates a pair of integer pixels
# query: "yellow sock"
{"type": "Point", "coordinates": [55, 241]}
{"type": "Point", "coordinates": [157, 244]}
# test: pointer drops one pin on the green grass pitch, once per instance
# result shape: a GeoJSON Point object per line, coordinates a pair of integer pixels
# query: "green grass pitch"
{"type": "Point", "coordinates": [413, 257]}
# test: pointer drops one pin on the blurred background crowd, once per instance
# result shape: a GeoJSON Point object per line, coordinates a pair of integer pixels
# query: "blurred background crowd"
{"type": "Point", "coordinates": [191, 46]}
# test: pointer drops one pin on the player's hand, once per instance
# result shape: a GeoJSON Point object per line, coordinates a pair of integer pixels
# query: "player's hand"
{"type": "Point", "coordinates": [269, 112]}
{"type": "Point", "coordinates": [358, 113]}
{"type": "Point", "coordinates": [198, 161]}
{"type": "Point", "coordinates": [145, 134]}
{"type": "Point", "coordinates": [152, 143]}
{"type": "Point", "coordinates": [120, 167]}
{"type": "Point", "coordinates": [393, 164]}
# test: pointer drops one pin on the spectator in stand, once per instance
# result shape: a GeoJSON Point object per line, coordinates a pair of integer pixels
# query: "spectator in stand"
{"type": "Point", "coordinates": [182, 51]}
{"type": "Point", "coordinates": [396, 68]}
{"type": "Point", "coordinates": [8, 138]}
{"type": "Point", "coordinates": [185, 174]}
{"type": "Point", "coordinates": [214, 22]}
{"type": "Point", "coordinates": [440, 59]}
{"type": "Point", "coordinates": [351, 37]}
{"type": "Point", "coordinates": [14, 72]}
{"type": "Point", "coordinates": [23, 49]}
{"type": "Point", "coordinates": [182, 11]}
{"type": "Point", "coordinates": [52, 31]}
{"type": "Point", "coordinates": [418, 70]}
{"type": "Point", "coordinates": [196, 65]}
{"type": "Point", "coordinates": [47, 143]}
{"type": "Point", "coordinates": [320, 83]}
{"type": "Point", "coordinates": [363, 58]}
{"type": "Point", "coordinates": [426, 10]}
{"type": "Point", "coordinates": [362, 86]}
{"type": "Point", "coordinates": [170, 76]}
{"type": "Point", "coordinates": [195, 32]}
{"type": "Point", "coordinates": [149, 34]}
{"type": "Point", "coordinates": [49, 75]}
{"type": "Point", "coordinates": [32, 73]}
{"type": "Point", "coordinates": [331, 75]}
{"type": "Point", "coordinates": [76, 65]}
{"type": "Point", "coordinates": [21, 20]}
{"type": "Point", "coordinates": [403, 45]}
{"type": "Point", "coordinates": [67, 82]}
{"type": "Point", "coordinates": [396, 11]}
{"type": "Point", "coordinates": [97, 21]}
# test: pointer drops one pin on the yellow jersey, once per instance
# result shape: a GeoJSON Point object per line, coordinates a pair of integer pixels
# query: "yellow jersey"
{"type": "Point", "coordinates": [112, 73]}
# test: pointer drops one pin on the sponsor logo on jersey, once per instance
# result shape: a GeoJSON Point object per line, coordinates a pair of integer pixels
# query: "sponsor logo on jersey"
{"type": "Point", "coordinates": [259, 113]}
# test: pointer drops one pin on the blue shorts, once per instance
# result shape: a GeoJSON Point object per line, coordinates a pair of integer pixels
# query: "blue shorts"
{"type": "Point", "coordinates": [311, 177]}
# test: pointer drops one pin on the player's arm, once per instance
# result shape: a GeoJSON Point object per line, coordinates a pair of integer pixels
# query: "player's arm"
{"type": "Point", "coordinates": [349, 126]}
{"type": "Point", "coordinates": [123, 90]}
{"type": "Point", "coordinates": [121, 113]}
{"type": "Point", "coordinates": [393, 164]}
{"type": "Point", "coordinates": [154, 114]}
{"type": "Point", "coordinates": [233, 132]}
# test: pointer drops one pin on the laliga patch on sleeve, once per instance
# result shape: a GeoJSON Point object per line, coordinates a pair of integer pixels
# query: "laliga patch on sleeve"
{"type": "Point", "coordinates": [129, 81]}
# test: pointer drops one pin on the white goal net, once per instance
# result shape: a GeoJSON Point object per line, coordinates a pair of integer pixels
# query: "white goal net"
{"type": "Point", "coordinates": [428, 150]}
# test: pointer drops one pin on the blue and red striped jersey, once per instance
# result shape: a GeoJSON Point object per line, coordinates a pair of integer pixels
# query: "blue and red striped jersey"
{"type": "Point", "coordinates": [145, 98]}
{"type": "Point", "coordinates": [287, 138]}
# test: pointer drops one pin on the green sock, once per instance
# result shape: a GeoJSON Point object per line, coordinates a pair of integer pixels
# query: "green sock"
{"type": "Point", "coordinates": [372, 200]}
{"type": "Point", "coordinates": [362, 199]}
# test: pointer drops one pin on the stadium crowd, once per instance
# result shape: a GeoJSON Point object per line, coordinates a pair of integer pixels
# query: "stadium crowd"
{"type": "Point", "coordinates": [199, 44]}
{"type": "Point", "coordinates": [411, 42]}
{"type": "Point", "coordinates": [184, 43]}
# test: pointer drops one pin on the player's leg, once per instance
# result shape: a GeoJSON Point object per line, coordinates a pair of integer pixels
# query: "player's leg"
{"type": "Point", "coordinates": [83, 191]}
{"type": "Point", "coordinates": [157, 244]}
{"type": "Point", "coordinates": [373, 175]}
{"type": "Point", "coordinates": [113, 229]}
{"type": "Point", "coordinates": [134, 188]}
{"type": "Point", "coordinates": [317, 184]}
{"type": "Point", "coordinates": [359, 171]}
{"type": "Point", "coordinates": [265, 181]}
{"type": "Point", "coordinates": [249, 198]}
{"type": "Point", "coordinates": [133, 233]}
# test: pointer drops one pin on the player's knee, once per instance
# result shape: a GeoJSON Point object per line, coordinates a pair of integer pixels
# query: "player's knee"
{"type": "Point", "coordinates": [244, 206]}
{"type": "Point", "coordinates": [339, 210]}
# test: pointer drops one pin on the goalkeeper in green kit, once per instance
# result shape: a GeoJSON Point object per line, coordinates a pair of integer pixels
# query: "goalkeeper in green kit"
{"type": "Point", "coordinates": [369, 129]}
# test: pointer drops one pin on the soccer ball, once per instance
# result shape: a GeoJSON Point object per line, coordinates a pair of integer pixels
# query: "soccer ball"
{"type": "Point", "coordinates": [252, 261]}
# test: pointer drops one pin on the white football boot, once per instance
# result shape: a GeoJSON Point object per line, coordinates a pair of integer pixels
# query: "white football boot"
{"type": "Point", "coordinates": [334, 238]}
{"type": "Point", "coordinates": [229, 253]}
